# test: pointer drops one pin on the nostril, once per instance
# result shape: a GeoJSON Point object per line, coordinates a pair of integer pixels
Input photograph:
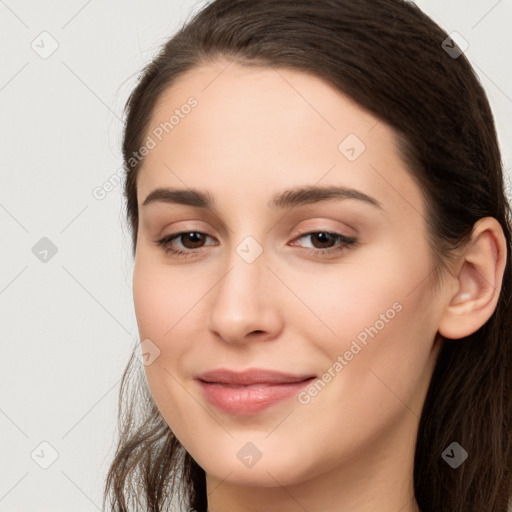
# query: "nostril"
{"type": "Point", "coordinates": [257, 333]}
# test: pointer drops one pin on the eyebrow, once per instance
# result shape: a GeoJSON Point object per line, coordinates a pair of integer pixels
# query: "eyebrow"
{"type": "Point", "coordinates": [286, 199]}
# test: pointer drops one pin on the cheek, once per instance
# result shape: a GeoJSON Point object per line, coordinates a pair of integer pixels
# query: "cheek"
{"type": "Point", "coordinates": [344, 299]}
{"type": "Point", "coordinates": [167, 304]}
{"type": "Point", "coordinates": [162, 295]}
{"type": "Point", "coordinates": [378, 317]}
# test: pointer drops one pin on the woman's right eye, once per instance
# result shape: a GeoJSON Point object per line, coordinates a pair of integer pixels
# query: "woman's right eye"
{"type": "Point", "coordinates": [167, 242]}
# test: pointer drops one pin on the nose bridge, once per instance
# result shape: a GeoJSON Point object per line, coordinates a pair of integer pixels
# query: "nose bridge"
{"type": "Point", "coordinates": [240, 289]}
{"type": "Point", "coordinates": [245, 263]}
{"type": "Point", "coordinates": [242, 302]}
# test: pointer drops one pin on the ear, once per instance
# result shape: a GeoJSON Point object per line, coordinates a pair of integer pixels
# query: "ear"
{"type": "Point", "coordinates": [479, 272]}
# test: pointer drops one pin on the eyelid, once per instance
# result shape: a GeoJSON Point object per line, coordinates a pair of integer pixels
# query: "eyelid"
{"type": "Point", "coordinates": [188, 226]}
{"type": "Point", "coordinates": [344, 230]}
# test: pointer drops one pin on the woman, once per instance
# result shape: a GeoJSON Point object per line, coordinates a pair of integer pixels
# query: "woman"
{"type": "Point", "coordinates": [322, 275]}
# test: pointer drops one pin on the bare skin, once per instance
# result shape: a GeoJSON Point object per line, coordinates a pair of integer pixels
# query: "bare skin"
{"type": "Point", "coordinates": [254, 133]}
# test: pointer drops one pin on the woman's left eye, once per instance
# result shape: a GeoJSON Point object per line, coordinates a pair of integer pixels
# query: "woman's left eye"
{"type": "Point", "coordinates": [196, 237]}
{"type": "Point", "coordinates": [326, 237]}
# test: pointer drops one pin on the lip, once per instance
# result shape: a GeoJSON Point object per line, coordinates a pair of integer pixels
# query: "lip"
{"type": "Point", "coordinates": [250, 391]}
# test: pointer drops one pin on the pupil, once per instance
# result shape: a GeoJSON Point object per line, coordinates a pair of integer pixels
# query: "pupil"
{"type": "Point", "coordinates": [324, 235]}
{"type": "Point", "coordinates": [192, 235]}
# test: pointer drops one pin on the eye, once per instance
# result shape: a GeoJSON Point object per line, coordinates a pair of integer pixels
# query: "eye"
{"type": "Point", "coordinates": [193, 239]}
{"type": "Point", "coordinates": [327, 238]}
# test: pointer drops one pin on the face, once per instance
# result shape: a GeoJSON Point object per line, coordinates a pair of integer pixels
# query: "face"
{"type": "Point", "coordinates": [331, 285]}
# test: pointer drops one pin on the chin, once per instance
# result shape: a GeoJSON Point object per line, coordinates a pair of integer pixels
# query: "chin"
{"type": "Point", "coordinates": [273, 472]}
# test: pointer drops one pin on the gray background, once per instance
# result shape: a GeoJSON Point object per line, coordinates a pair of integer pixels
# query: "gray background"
{"type": "Point", "coordinates": [68, 323]}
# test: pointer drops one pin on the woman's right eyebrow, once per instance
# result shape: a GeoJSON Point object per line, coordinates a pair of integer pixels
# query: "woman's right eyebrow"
{"type": "Point", "coordinates": [189, 197]}
{"type": "Point", "coordinates": [285, 199]}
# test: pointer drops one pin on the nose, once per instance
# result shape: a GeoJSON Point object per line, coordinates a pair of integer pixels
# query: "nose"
{"type": "Point", "coordinates": [244, 303]}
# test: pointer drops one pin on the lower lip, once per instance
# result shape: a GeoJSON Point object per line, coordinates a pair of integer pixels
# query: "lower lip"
{"type": "Point", "coordinates": [243, 400]}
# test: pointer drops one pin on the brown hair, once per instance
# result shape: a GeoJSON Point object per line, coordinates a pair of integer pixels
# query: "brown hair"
{"type": "Point", "coordinates": [387, 55]}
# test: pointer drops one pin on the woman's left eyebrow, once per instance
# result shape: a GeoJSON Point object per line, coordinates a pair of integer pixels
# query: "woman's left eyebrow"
{"type": "Point", "coordinates": [312, 194]}
{"type": "Point", "coordinates": [285, 199]}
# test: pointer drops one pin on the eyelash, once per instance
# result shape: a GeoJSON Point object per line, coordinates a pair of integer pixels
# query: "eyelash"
{"type": "Point", "coordinates": [347, 242]}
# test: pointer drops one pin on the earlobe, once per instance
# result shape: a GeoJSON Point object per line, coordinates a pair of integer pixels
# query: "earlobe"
{"type": "Point", "coordinates": [481, 266]}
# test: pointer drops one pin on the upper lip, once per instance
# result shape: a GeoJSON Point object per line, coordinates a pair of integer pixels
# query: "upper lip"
{"type": "Point", "coordinates": [250, 376]}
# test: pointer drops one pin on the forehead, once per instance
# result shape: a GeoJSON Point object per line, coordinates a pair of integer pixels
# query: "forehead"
{"type": "Point", "coordinates": [263, 107]}
{"type": "Point", "coordinates": [254, 129]}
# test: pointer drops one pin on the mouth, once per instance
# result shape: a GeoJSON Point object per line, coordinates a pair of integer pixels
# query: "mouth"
{"type": "Point", "coordinates": [251, 377]}
{"type": "Point", "coordinates": [249, 392]}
